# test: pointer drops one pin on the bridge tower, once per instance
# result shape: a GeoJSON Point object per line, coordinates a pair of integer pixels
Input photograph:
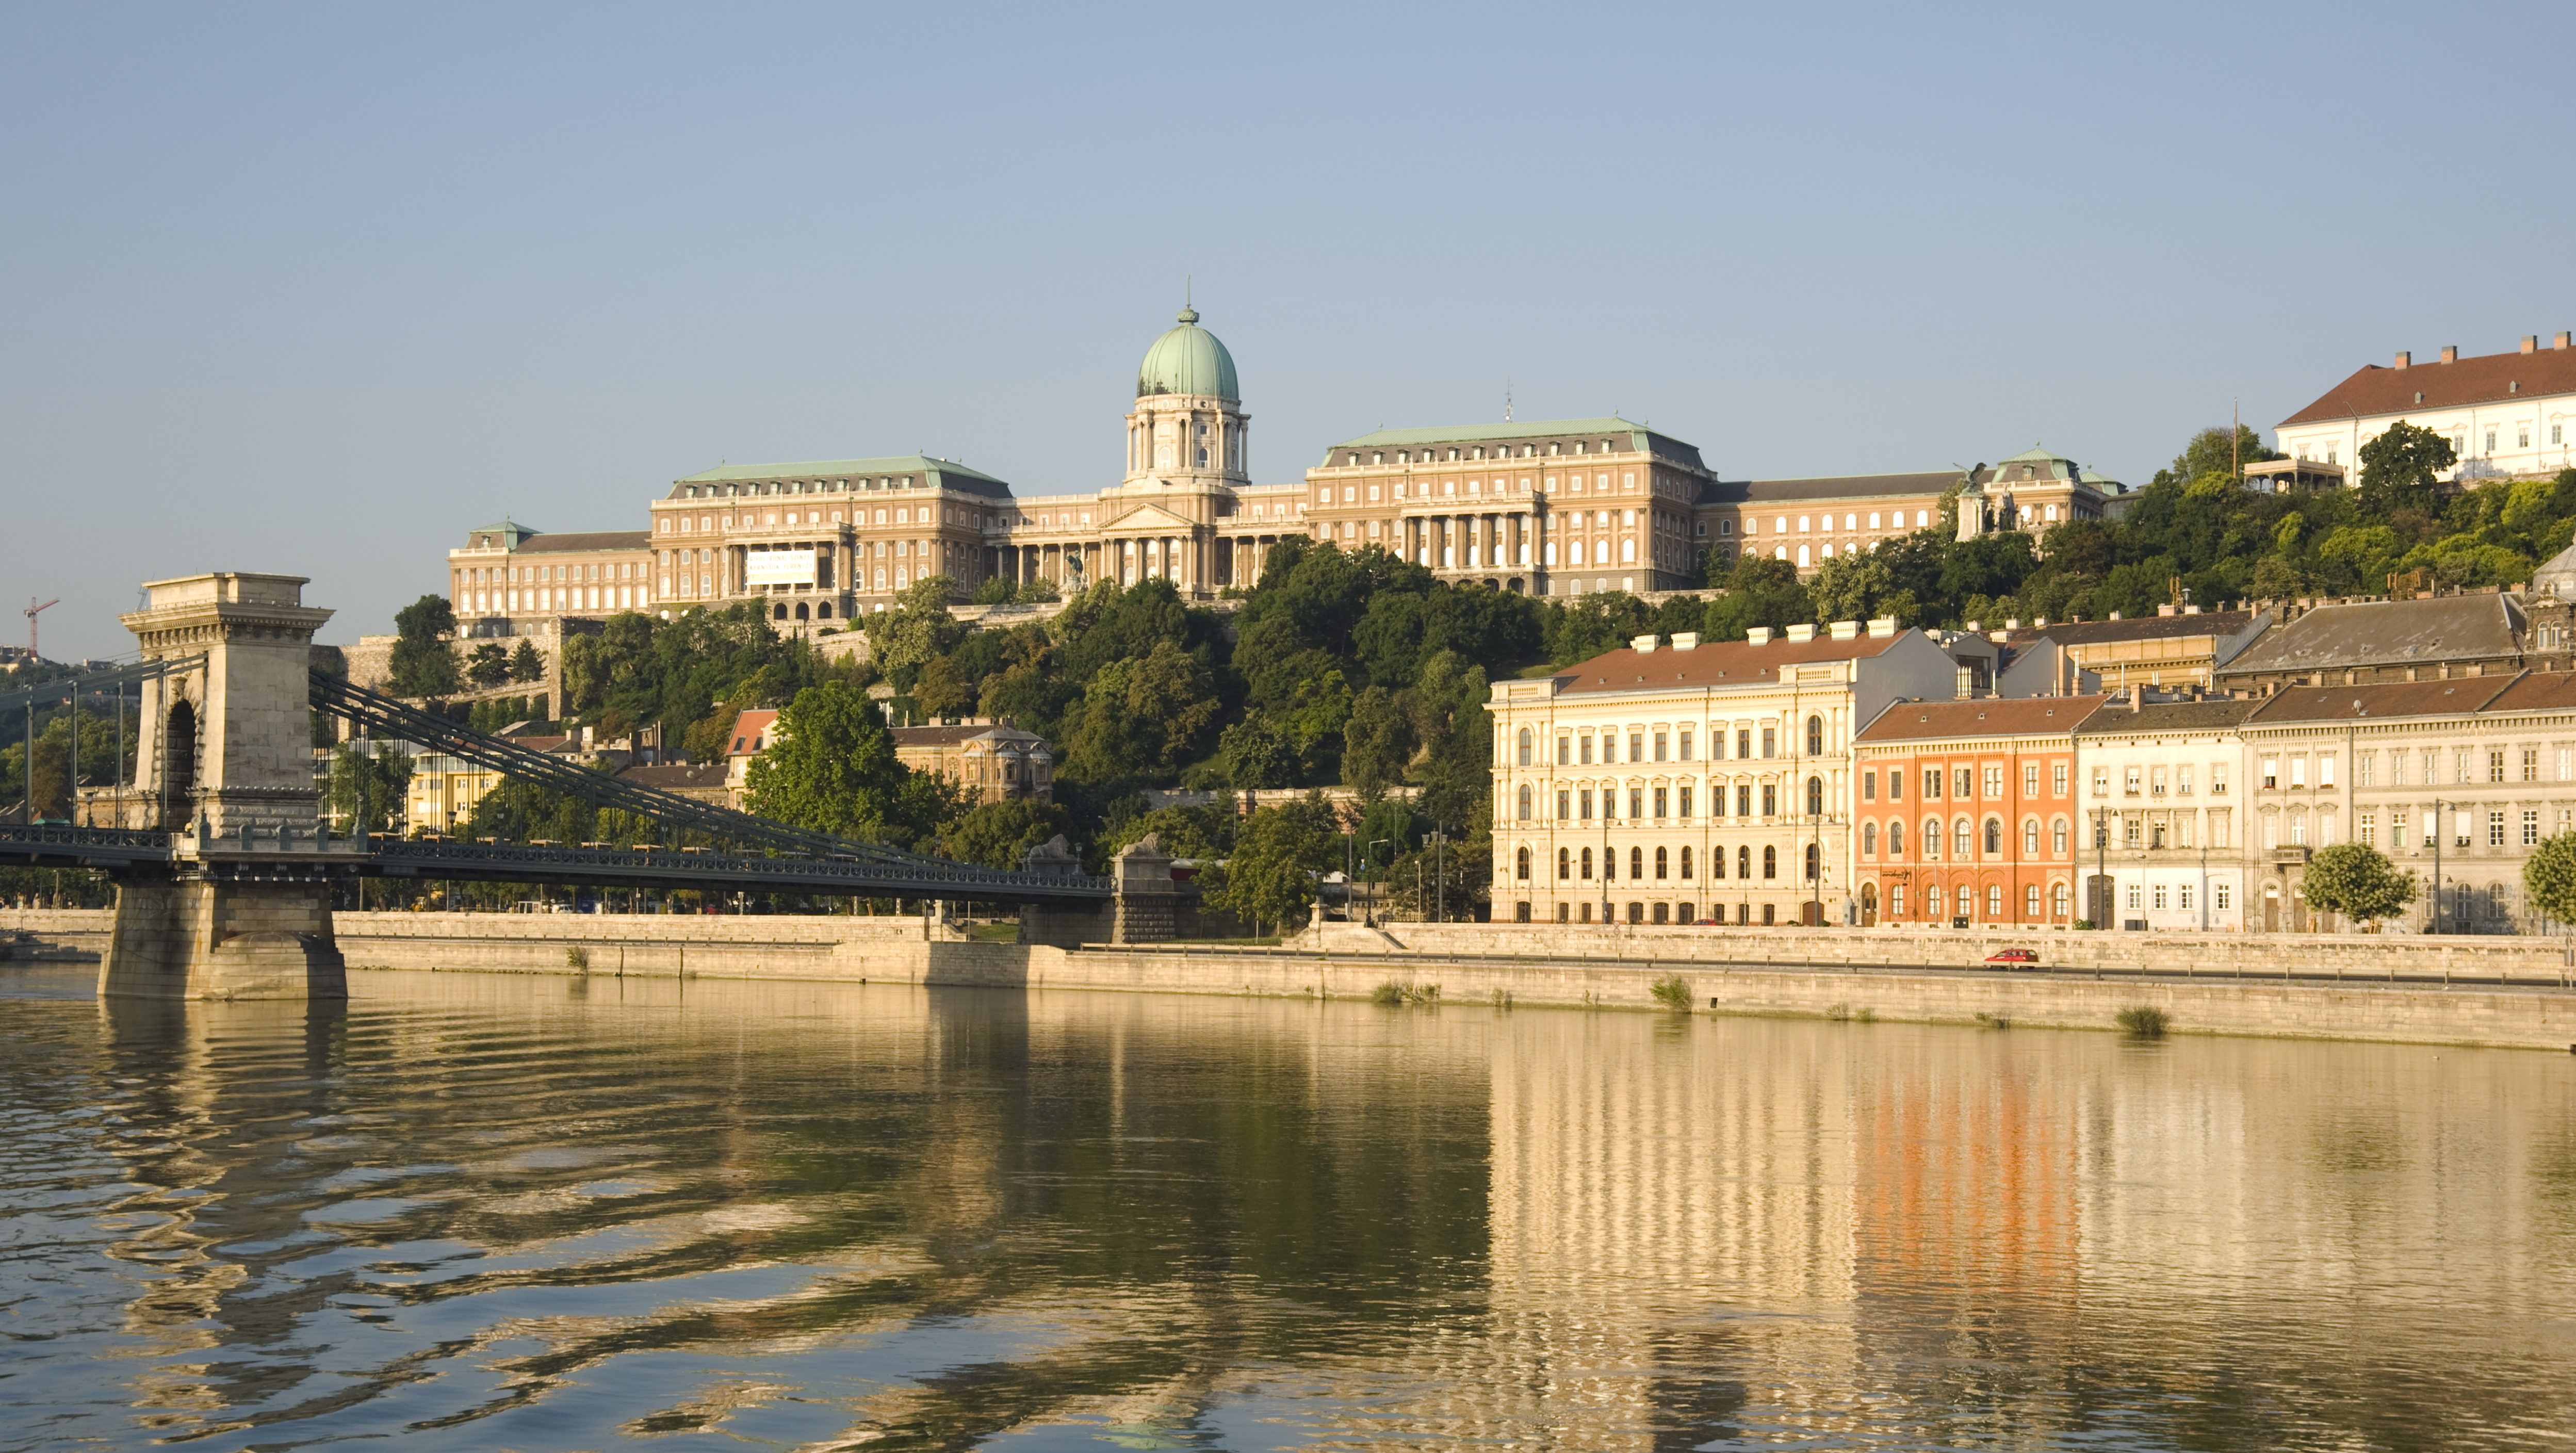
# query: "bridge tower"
{"type": "Point", "coordinates": [244, 910]}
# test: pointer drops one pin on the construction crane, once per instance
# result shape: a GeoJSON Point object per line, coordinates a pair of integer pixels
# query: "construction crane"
{"type": "Point", "coordinates": [33, 655]}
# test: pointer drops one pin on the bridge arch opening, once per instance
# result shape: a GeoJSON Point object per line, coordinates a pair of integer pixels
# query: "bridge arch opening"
{"type": "Point", "coordinates": [779, 611]}
{"type": "Point", "coordinates": [179, 752]}
{"type": "Point", "coordinates": [802, 613]}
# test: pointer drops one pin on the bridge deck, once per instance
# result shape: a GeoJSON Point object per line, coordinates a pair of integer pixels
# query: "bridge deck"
{"type": "Point", "coordinates": [112, 849]}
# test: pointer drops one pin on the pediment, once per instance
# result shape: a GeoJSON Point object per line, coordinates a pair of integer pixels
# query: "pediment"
{"type": "Point", "coordinates": [1148, 519]}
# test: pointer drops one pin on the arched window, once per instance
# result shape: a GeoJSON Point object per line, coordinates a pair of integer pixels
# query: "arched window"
{"type": "Point", "coordinates": [1815, 791]}
{"type": "Point", "coordinates": [1770, 862]}
{"type": "Point", "coordinates": [1525, 802]}
{"type": "Point", "coordinates": [1896, 838]}
{"type": "Point", "coordinates": [1686, 865]}
{"type": "Point", "coordinates": [1960, 841]}
{"type": "Point", "coordinates": [1744, 862]}
{"type": "Point", "coordinates": [1525, 751]}
{"type": "Point", "coordinates": [1932, 901]}
{"type": "Point", "coordinates": [1523, 864]}
{"type": "Point", "coordinates": [1564, 864]}
{"type": "Point", "coordinates": [2057, 837]}
{"type": "Point", "coordinates": [1661, 863]}
{"type": "Point", "coordinates": [1587, 863]}
{"type": "Point", "coordinates": [1815, 736]}
{"type": "Point", "coordinates": [1636, 864]}
{"type": "Point", "coordinates": [1994, 900]}
{"type": "Point", "coordinates": [1931, 839]}
{"type": "Point", "coordinates": [1869, 839]}
{"type": "Point", "coordinates": [2030, 837]}
{"type": "Point", "coordinates": [2059, 896]}
{"type": "Point", "coordinates": [1814, 860]}
{"type": "Point", "coordinates": [1994, 837]}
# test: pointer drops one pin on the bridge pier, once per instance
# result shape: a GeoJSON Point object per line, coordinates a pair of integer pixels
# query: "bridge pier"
{"type": "Point", "coordinates": [243, 911]}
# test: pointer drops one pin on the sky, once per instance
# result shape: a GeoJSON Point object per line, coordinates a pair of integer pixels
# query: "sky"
{"type": "Point", "coordinates": [316, 289]}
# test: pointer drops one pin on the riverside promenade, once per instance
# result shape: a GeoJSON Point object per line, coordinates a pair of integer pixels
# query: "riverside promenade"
{"type": "Point", "coordinates": [2489, 991]}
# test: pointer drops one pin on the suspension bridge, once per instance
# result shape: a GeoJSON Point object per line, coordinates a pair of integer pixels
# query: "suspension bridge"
{"type": "Point", "coordinates": [225, 863]}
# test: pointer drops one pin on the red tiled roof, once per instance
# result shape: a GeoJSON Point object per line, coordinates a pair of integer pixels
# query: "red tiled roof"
{"type": "Point", "coordinates": [749, 729]}
{"type": "Point", "coordinates": [2378, 389]}
{"type": "Point", "coordinates": [1985, 716]}
{"type": "Point", "coordinates": [2537, 691]}
{"type": "Point", "coordinates": [2395, 698]}
{"type": "Point", "coordinates": [1720, 663]}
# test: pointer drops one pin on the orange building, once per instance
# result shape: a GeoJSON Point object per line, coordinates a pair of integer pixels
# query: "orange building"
{"type": "Point", "coordinates": [1967, 812]}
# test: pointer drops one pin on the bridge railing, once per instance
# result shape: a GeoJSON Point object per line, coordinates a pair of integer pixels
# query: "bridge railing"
{"type": "Point", "coordinates": [386, 716]}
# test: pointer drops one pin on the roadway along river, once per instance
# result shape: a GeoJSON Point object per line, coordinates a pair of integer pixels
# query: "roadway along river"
{"type": "Point", "coordinates": [486, 1212]}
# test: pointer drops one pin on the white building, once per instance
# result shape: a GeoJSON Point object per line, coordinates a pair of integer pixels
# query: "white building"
{"type": "Point", "coordinates": [1684, 783]}
{"type": "Point", "coordinates": [2164, 784]}
{"type": "Point", "coordinates": [2507, 415]}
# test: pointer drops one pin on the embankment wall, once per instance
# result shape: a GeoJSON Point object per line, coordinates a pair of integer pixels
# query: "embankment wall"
{"type": "Point", "coordinates": [1891, 977]}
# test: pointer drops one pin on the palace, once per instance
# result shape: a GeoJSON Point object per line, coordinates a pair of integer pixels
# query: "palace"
{"type": "Point", "coordinates": [1561, 507]}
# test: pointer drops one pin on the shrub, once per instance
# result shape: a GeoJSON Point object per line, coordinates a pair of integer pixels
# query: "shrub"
{"type": "Point", "coordinates": [1392, 995]}
{"type": "Point", "coordinates": [577, 957]}
{"type": "Point", "coordinates": [1993, 1021]}
{"type": "Point", "coordinates": [1673, 992]}
{"type": "Point", "coordinates": [2143, 1021]}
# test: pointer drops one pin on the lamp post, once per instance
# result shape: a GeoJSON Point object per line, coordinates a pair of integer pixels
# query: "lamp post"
{"type": "Point", "coordinates": [1376, 842]}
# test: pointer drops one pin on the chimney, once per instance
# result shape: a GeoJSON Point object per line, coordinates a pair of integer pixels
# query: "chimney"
{"type": "Point", "coordinates": [1643, 645]}
{"type": "Point", "coordinates": [1685, 640]}
{"type": "Point", "coordinates": [2531, 343]}
{"type": "Point", "coordinates": [1802, 632]}
{"type": "Point", "coordinates": [1881, 627]}
{"type": "Point", "coordinates": [2451, 354]}
{"type": "Point", "coordinates": [1975, 626]}
{"type": "Point", "coordinates": [2168, 610]}
{"type": "Point", "coordinates": [1758, 636]}
{"type": "Point", "coordinates": [1846, 630]}
{"type": "Point", "coordinates": [2115, 615]}
{"type": "Point", "coordinates": [2562, 340]}
{"type": "Point", "coordinates": [2191, 610]}
{"type": "Point", "coordinates": [2405, 360]}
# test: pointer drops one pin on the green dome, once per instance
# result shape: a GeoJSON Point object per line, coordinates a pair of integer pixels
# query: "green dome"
{"type": "Point", "coordinates": [1187, 360]}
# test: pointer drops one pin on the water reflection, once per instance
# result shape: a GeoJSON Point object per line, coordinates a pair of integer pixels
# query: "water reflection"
{"type": "Point", "coordinates": [480, 1212]}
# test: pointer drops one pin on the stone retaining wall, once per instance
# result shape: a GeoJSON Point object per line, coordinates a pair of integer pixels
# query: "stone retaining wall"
{"type": "Point", "coordinates": [1882, 979]}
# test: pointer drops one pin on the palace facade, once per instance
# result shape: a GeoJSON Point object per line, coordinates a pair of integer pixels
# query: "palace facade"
{"type": "Point", "coordinates": [1544, 507]}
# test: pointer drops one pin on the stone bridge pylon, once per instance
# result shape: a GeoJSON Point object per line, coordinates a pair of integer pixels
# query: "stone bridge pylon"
{"type": "Point", "coordinates": [243, 911]}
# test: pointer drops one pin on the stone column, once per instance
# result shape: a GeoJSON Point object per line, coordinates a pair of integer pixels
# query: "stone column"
{"type": "Point", "coordinates": [243, 911]}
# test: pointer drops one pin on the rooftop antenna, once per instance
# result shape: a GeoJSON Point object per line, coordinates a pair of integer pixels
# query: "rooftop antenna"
{"type": "Point", "coordinates": [1507, 401]}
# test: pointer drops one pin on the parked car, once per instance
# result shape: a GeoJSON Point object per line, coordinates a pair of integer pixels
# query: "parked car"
{"type": "Point", "coordinates": [2013, 956]}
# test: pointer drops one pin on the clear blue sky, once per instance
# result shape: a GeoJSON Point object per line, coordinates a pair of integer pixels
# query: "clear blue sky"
{"type": "Point", "coordinates": [317, 288]}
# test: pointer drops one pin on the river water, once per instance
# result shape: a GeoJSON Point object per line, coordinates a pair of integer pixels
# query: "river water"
{"type": "Point", "coordinates": [482, 1212]}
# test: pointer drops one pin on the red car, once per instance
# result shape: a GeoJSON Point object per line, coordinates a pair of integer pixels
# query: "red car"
{"type": "Point", "coordinates": [2013, 956]}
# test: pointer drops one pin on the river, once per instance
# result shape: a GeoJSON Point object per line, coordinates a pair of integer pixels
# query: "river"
{"type": "Point", "coordinates": [529, 1213]}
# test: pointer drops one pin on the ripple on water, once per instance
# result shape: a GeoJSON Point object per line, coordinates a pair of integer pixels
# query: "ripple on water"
{"type": "Point", "coordinates": [474, 1213]}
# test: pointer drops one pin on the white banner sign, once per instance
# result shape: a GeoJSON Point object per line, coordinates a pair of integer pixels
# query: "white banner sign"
{"type": "Point", "coordinates": [778, 567]}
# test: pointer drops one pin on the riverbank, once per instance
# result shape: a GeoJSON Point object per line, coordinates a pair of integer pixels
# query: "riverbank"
{"type": "Point", "coordinates": [2392, 989]}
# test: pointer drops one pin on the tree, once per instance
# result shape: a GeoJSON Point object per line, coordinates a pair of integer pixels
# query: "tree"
{"type": "Point", "coordinates": [489, 665]}
{"type": "Point", "coordinates": [1254, 753]}
{"type": "Point", "coordinates": [2549, 875]}
{"type": "Point", "coordinates": [905, 638]}
{"type": "Point", "coordinates": [830, 766]}
{"type": "Point", "coordinates": [368, 787]}
{"type": "Point", "coordinates": [2219, 452]}
{"type": "Point", "coordinates": [421, 664]}
{"type": "Point", "coordinates": [995, 834]}
{"type": "Point", "coordinates": [1277, 855]}
{"type": "Point", "coordinates": [2354, 880]}
{"type": "Point", "coordinates": [527, 663]}
{"type": "Point", "coordinates": [2399, 469]}
{"type": "Point", "coordinates": [942, 688]}
{"type": "Point", "coordinates": [1377, 743]}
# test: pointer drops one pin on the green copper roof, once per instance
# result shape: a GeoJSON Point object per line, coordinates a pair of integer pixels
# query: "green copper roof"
{"type": "Point", "coordinates": [943, 472]}
{"type": "Point", "coordinates": [1187, 360]}
{"type": "Point", "coordinates": [1481, 433]}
